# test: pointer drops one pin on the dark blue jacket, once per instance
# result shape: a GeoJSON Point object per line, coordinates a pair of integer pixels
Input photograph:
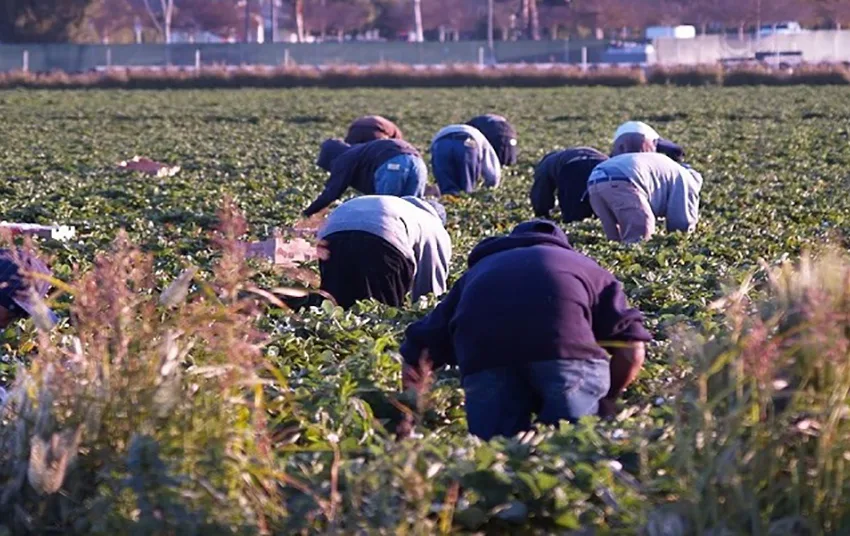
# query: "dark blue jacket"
{"type": "Point", "coordinates": [355, 167]}
{"type": "Point", "coordinates": [526, 297]}
{"type": "Point", "coordinates": [500, 133]}
{"type": "Point", "coordinates": [565, 172]}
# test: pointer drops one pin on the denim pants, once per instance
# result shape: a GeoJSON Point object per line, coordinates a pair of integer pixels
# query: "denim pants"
{"type": "Point", "coordinates": [402, 175]}
{"type": "Point", "coordinates": [501, 401]}
{"type": "Point", "coordinates": [456, 164]}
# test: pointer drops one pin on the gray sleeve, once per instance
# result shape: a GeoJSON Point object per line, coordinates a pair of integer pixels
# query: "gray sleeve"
{"type": "Point", "coordinates": [433, 254]}
{"type": "Point", "coordinates": [683, 204]}
{"type": "Point", "coordinates": [491, 168]}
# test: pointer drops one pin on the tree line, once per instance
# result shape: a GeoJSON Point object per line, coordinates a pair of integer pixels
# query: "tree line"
{"type": "Point", "coordinates": [126, 21]}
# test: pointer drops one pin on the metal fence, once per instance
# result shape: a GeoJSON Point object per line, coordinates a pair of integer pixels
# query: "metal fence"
{"type": "Point", "coordinates": [80, 58]}
{"type": "Point", "coordinates": [815, 46]}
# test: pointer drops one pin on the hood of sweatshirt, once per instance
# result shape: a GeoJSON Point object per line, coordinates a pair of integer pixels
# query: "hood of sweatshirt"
{"type": "Point", "coordinates": [430, 206]}
{"type": "Point", "coordinates": [495, 124]}
{"type": "Point", "coordinates": [674, 151]}
{"type": "Point", "coordinates": [527, 234]}
{"type": "Point", "coordinates": [330, 151]}
{"type": "Point", "coordinates": [501, 135]}
{"type": "Point", "coordinates": [372, 127]}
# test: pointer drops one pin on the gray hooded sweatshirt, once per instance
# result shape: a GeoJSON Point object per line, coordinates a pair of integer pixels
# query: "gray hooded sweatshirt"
{"type": "Point", "coordinates": [672, 189]}
{"type": "Point", "coordinates": [410, 224]}
{"type": "Point", "coordinates": [491, 168]}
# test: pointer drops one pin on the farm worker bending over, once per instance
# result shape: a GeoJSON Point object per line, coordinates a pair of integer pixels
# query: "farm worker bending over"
{"type": "Point", "coordinates": [460, 154]}
{"type": "Point", "coordinates": [637, 185]}
{"type": "Point", "coordinates": [534, 327]}
{"type": "Point", "coordinates": [370, 128]}
{"type": "Point", "coordinates": [384, 167]}
{"type": "Point", "coordinates": [384, 247]}
{"type": "Point", "coordinates": [22, 286]}
{"type": "Point", "coordinates": [565, 173]}
{"type": "Point", "coordinates": [501, 135]}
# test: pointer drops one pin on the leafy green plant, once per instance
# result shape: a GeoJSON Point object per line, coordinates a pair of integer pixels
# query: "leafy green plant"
{"type": "Point", "coordinates": [306, 437]}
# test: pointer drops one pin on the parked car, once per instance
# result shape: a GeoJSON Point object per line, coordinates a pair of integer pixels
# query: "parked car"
{"type": "Point", "coordinates": [676, 32]}
{"type": "Point", "coordinates": [629, 53]}
{"type": "Point", "coordinates": [780, 28]}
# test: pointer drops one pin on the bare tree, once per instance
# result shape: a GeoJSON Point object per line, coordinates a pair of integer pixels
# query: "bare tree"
{"type": "Point", "coordinates": [417, 21]}
{"type": "Point", "coordinates": [504, 15]}
{"type": "Point", "coordinates": [166, 13]}
{"type": "Point", "coordinates": [111, 21]}
{"type": "Point", "coordinates": [529, 19]}
{"type": "Point", "coordinates": [491, 14]}
{"type": "Point", "coordinates": [524, 15]}
{"type": "Point", "coordinates": [557, 17]}
{"type": "Point", "coordinates": [337, 16]}
{"type": "Point", "coordinates": [299, 20]}
{"type": "Point", "coordinates": [534, 20]}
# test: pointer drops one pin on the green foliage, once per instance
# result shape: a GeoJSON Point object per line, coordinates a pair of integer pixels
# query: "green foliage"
{"type": "Point", "coordinates": [313, 435]}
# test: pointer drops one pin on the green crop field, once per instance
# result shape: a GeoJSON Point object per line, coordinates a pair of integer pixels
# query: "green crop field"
{"type": "Point", "coordinates": [776, 163]}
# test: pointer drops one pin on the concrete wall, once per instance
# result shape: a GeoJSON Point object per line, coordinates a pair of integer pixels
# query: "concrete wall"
{"type": "Point", "coordinates": [817, 46]}
{"type": "Point", "coordinates": [78, 58]}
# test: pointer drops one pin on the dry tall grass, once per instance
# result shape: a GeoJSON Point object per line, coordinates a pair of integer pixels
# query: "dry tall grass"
{"type": "Point", "coordinates": [150, 418]}
{"type": "Point", "coordinates": [762, 433]}
{"type": "Point", "coordinates": [400, 76]}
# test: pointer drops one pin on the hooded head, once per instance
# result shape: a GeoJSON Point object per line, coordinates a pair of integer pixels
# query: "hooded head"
{"type": "Point", "coordinates": [432, 206]}
{"type": "Point", "coordinates": [634, 137]}
{"type": "Point", "coordinates": [330, 151]}
{"type": "Point", "coordinates": [370, 128]}
{"type": "Point", "coordinates": [667, 147]}
{"type": "Point", "coordinates": [526, 234]}
{"type": "Point", "coordinates": [501, 135]}
{"type": "Point", "coordinates": [541, 227]}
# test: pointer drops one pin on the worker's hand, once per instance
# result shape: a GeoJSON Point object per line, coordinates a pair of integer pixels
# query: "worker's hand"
{"type": "Point", "coordinates": [432, 190]}
{"type": "Point", "coordinates": [410, 375]}
{"type": "Point", "coordinates": [607, 408]}
{"type": "Point", "coordinates": [322, 250]}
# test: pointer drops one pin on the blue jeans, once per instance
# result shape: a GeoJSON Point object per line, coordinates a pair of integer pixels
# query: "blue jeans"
{"type": "Point", "coordinates": [402, 175]}
{"type": "Point", "coordinates": [456, 164]}
{"type": "Point", "coordinates": [501, 401]}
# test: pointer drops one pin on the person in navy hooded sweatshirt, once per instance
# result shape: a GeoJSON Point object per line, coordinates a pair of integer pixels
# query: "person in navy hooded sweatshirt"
{"type": "Point", "coordinates": [565, 173]}
{"type": "Point", "coordinates": [381, 167]}
{"type": "Point", "coordinates": [535, 328]}
{"type": "Point", "coordinates": [500, 133]}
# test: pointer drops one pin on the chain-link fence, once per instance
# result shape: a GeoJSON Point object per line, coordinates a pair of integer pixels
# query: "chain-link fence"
{"type": "Point", "coordinates": [812, 47]}
{"type": "Point", "coordinates": [80, 58]}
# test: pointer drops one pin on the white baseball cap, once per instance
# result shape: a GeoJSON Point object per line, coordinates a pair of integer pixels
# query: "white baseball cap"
{"type": "Point", "coordinates": [637, 127]}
